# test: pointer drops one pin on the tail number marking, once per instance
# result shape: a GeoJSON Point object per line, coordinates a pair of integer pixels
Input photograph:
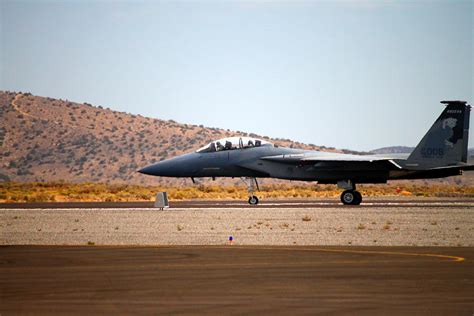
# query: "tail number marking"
{"type": "Point", "coordinates": [429, 152]}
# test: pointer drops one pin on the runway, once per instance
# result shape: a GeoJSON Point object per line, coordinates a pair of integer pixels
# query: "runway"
{"type": "Point", "coordinates": [230, 279]}
{"type": "Point", "coordinates": [270, 203]}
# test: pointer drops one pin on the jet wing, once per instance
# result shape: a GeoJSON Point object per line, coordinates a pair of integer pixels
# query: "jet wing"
{"type": "Point", "coordinates": [306, 158]}
{"type": "Point", "coordinates": [330, 157]}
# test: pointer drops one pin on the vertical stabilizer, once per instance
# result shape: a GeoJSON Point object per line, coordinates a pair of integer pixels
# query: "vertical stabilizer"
{"type": "Point", "coordinates": [446, 142]}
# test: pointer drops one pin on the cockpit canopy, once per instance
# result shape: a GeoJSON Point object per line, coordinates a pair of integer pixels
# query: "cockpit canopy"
{"type": "Point", "coordinates": [231, 143]}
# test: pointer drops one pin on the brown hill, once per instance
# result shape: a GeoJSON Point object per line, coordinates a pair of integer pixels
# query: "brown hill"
{"type": "Point", "coordinates": [44, 139]}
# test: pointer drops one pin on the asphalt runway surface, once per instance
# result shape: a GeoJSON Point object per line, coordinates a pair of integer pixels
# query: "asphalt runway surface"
{"type": "Point", "coordinates": [270, 203]}
{"type": "Point", "coordinates": [236, 280]}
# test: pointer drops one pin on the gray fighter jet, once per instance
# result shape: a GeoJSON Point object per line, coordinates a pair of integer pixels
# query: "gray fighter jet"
{"type": "Point", "coordinates": [442, 152]}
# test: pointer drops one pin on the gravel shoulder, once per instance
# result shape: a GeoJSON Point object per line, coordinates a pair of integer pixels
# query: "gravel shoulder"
{"type": "Point", "coordinates": [359, 226]}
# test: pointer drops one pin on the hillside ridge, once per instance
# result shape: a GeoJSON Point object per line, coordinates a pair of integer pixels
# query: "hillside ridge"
{"type": "Point", "coordinates": [44, 139]}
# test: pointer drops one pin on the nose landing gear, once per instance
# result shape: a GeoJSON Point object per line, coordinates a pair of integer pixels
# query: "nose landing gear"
{"type": "Point", "coordinates": [251, 184]}
{"type": "Point", "coordinates": [253, 200]}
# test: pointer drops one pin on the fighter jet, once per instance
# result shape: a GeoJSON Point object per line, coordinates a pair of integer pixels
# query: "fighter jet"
{"type": "Point", "coordinates": [442, 152]}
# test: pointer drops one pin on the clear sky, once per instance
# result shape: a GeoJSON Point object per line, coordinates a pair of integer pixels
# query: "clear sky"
{"type": "Point", "coordinates": [352, 74]}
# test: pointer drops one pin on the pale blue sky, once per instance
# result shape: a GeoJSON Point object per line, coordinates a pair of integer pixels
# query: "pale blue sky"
{"type": "Point", "coordinates": [353, 74]}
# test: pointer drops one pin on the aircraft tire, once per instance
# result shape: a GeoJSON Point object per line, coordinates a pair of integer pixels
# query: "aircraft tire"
{"type": "Point", "coordinates": [348, 197]}
{"type": "Point", "coordinates": [253, 200]}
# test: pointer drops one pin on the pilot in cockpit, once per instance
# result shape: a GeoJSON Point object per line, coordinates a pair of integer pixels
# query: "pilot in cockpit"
{"type": "Point", "coordinates": [213, 147]}
{"type": "Point", "coordinates": [250, 143]}
{"type": "Point", "coordinates": [219, 146]}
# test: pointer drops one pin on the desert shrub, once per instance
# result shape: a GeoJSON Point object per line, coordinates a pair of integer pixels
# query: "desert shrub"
{"type": "Point", "coordinates": [40, 197]}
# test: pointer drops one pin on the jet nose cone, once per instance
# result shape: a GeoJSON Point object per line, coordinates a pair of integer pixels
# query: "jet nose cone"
{"type": "Point", "coordinates": [181, 166]}
{"type": "Point", "coordinates": [163, 168]}
{"type": "Point", "coordinates": [147, 170]}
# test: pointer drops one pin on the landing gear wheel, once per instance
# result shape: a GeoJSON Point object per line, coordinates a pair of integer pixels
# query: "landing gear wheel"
{"type": "Point", "coordinates": [253, 200]}
{"type": "Point", "coordinates": [351, 197]}
{"type": "Point", "coordinates": [348, 197]}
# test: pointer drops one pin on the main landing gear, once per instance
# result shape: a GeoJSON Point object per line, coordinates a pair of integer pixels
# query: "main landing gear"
{"type": "Point", "coordinates": [350, 196]}
{"type": "Point", "coordinates": [251, 184]}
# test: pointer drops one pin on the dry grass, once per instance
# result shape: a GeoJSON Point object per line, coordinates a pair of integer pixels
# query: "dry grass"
{"type": "Point", "coordinates": [100, 192]}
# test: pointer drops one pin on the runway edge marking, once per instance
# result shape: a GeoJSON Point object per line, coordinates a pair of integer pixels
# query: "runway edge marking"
{"type": "Point", "coordinates": [451, 258]}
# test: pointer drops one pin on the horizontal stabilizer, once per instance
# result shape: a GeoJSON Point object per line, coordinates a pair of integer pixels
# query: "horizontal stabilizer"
{"type": "Point", "coordinates": [464, 167]}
